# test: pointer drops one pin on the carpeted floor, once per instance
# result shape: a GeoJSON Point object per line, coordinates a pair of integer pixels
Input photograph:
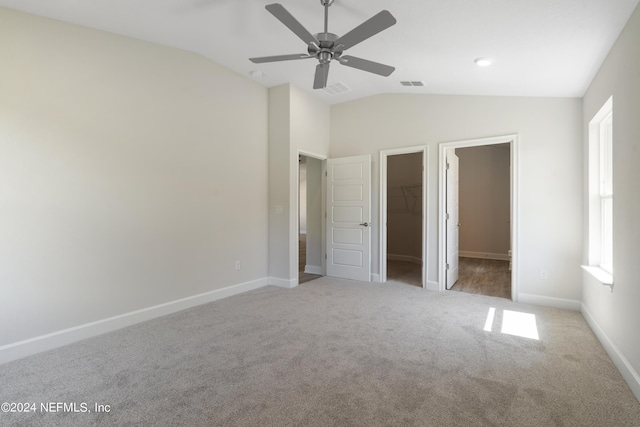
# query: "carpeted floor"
{"type": "Point", "coordinates": [333, 353]}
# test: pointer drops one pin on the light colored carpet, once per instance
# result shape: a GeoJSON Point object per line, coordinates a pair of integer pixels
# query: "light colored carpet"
{"type": "Point", "coordinates": [332, 353]}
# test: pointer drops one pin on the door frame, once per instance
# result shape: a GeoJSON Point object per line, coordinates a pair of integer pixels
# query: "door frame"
{"type": "Point", "coordinates": [512, 139]}
{"type": "Point", "coordinates": [451, 193]}
{"type": "Point", "coordinates": [382, 229]}
{"type": "Point", "coordinates": [295, 255]}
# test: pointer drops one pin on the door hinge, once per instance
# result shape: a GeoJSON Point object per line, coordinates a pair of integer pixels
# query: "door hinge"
{"type": "Point", "coordinates": [325, 256]}
{"type": "Point", "coordinates": [447, 216]}
{"type": "Point", "coordinates": [448, 166]}
{"type": "Point", "coordinates": [447, 267]}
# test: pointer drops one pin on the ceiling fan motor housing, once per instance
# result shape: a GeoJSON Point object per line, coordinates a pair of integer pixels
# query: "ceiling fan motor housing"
{"type": "Point", "coordinates": [325, 50]}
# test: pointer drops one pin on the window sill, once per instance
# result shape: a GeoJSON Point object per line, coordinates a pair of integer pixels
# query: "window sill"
{"type": "Point", "coordinates": [601, 275]}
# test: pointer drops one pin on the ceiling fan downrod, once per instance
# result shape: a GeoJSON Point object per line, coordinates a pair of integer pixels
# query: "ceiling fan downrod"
{"type": "Point", "coordinates": [326, 4]}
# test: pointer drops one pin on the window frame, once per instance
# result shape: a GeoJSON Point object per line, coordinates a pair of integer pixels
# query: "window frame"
{"type": "Point", "coordinates": [600, 195]}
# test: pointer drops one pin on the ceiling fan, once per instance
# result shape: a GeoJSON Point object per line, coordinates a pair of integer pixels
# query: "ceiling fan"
{"type": "Point", "coordinates": [326, 46]}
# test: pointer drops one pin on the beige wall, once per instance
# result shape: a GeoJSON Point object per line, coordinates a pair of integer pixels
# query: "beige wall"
{"type": "Point", "coordinates": [279, 178]}
{"type": "Point", "coordinates": [297, 122]}
{"type": "Point", "coordinates": [484, 197]}
{"type": "Point", "coordinates": [550, 169]}
{"type": "Point", "coordinates": [616, 314]}
{"type": "Point", "coordinates": [130, 175]}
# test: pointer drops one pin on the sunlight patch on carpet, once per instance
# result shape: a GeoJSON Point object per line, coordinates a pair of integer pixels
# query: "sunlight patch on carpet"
{"type": "Point", "coordinates": [488, 324]}
{"type": "Point", "coordinates": [514, 323]}
{"type": "Point", "coordinates": [519, 324]}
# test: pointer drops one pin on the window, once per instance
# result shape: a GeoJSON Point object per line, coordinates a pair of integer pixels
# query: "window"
{"type": "Point", "coordinates": [601, 194]}
{"type": "Point", "coordinates": [606, 194]}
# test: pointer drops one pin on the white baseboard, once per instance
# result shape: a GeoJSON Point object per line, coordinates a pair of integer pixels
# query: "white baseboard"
{"type": "Point", "coordinates": [565, 304]}
{"type": "Point", "coordinates": [283, 283]}
{"type": "Point", "coordinates": [629, 374]}
{"type": "Point", "coordinates": [406, 258]}
{"type": "Point", "coordinates": [56, 339]}
{"type": "Point", "coordinates": [375, 278]}
{"type": "Point", "coordinates": [313, 269]}
{"type": "Point", "coordinates": [432, 286]}
{"type": "Point", "coordinates": [486, 255]}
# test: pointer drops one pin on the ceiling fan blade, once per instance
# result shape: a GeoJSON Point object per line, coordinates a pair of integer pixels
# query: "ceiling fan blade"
{"type": "Point", "coordinates": [292, 23]}
{"type": "Point", "coordinates": [276, 58]}
{"type": "Point", "coordinates": [366, 65]}
{"type": "Point", "coordinates": [322, 74]}
{"type": "Point", "coordinates": [368, 28]}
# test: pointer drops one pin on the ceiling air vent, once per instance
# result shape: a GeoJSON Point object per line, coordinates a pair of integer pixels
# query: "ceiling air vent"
{"type": "Point", "coordinates": [411, 83]}
{"type": "Point", "coordinates": [336, 88]}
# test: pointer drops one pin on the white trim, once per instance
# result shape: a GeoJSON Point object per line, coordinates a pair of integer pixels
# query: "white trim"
{"type": "Point", "coordinates": [312, 154]}
{"type": "Point", "coordinates": [283, 283]}
{"type": "Point", "coordinates": [382, 264]}
{"type": "Point", "coordinates": [375, 278]}
{"type": "Point", "coordinates": [594, 195]}
{"type": "Point", "coordinates": [313, 269]}
{"type": "Point", "coordinates": [484, 255]}
{"type": "Point", "coordinates": [544, 301]}
{"type": "Point", "coordinates": [600, 275]}
{"type": "Point", "coordinates": [433, 286]}
{"type": "Point", "coordinates": [56, 339]}
{"type": "Point", "coordinates": [442, 150]}
{"type": "Point", "coordinates": [629, 374]}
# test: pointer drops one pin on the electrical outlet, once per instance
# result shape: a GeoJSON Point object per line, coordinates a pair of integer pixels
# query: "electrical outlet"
{"type": "Point", "coordinates": [544, 275]}
{"type": "Point", "coordinates": [238, 266]}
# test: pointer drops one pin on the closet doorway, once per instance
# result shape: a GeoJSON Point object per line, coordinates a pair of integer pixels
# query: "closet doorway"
{"type": "Point", "coordinates": [485, 220]}
{"type": "Point", "coordinates": [403, 216]}
{"type": "Point", "coordinates": [310, 218]}
{"type": "Point", "coordinates": [481, 223]}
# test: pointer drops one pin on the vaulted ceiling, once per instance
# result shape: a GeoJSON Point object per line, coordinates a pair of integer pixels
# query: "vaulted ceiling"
{"type": "Point", "coordinates": [538, 47]}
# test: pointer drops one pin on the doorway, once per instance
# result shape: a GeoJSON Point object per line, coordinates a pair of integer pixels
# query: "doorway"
{"type": "Point", "coordinates": [478, 231]}
{"type": "Point", "coordinates": [403, 229]}
{"type": "Point", "coordinates": [310, 218]}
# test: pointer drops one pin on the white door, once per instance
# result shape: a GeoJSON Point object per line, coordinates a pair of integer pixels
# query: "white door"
{"type": "Point", "coordinates": [452, 219]}
{"type": "Point", "coordinates": [349, 218]}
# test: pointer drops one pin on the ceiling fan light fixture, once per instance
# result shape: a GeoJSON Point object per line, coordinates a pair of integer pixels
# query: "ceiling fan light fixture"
{"type": "Point", "coordinates": [483, 62]}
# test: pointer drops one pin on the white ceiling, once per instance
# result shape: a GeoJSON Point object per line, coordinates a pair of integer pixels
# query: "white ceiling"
{"type": "Point", "coordinates": [540, 47]}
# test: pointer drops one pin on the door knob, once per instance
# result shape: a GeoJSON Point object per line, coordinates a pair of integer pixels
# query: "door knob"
{"type": "Point", "coordinates": [366, 224]}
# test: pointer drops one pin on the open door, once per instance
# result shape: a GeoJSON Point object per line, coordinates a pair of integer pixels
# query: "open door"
{"type": "Point", "coordinates": [349, 218]}
{"type": "Point", "coordinates": [452, 223]}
